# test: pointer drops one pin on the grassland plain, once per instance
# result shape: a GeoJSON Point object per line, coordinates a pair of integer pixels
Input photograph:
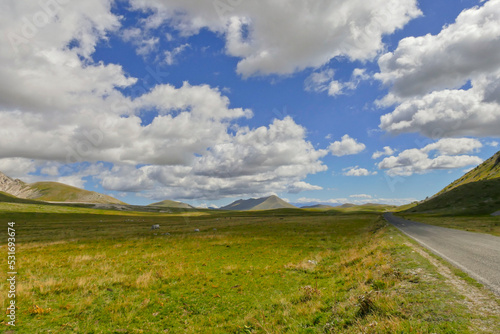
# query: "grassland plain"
{"type": "Point", "coordinates": [281, 271]}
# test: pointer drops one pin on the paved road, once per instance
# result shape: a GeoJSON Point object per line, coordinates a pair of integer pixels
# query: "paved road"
{"type": "Point", "coordinates": [475, 253]}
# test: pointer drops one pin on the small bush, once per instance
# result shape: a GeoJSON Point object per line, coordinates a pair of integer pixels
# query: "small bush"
{"type": "Point", "coordinates": [365, 304]}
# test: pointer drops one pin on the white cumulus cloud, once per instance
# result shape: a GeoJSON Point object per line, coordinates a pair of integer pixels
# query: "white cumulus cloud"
{"type": "Point", "coordinates": [365, 196]}
{"type": "Point", "coordinates": [387, 151]}
{"type": "Point", "coordinates": [346, 146]}
{"type": "Point", "coordinates": [449, 156]}
{"type": "Point", "coordinates": [493, 144]}
{"type": "Point", "coordinates": [253, 161]}
{"type": "Point", "coordinates": [454, 146]}
{"type": "Point", "coordinates": [426, 75]}
{"type": "Point", "coordinates": [357, 171]}
{"type": "Point", "coordinates": [276, 37]}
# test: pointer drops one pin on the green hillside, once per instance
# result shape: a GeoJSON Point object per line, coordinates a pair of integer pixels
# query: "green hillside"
{"type": "Point", "coordinates": [7, 198]}
{"type": "Point", "coordinates": [172, 204]}
{"type": "Point", "coordinates": [473, 198]}
{"type": "Point", "coordinates": [51, 192]}
{"type": "Point", "coordinates": [475, 193]}
{"type": "Point", "coordinates": [58, 192]}
{"type": "Point", "coordinates": [488, 170]}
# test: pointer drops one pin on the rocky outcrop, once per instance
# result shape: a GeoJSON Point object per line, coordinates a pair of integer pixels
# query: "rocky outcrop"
{"type": "Point", "coordinates": [16, 187]}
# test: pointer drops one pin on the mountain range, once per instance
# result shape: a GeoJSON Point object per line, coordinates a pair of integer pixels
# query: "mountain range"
{"type": "Point", "coordinates": [318, 207]}
{"type": "Point", "coordinates": [477, 192]}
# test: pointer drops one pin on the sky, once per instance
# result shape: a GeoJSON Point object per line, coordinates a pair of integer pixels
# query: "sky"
{"type": "Point", "coordinates": [206, 102]}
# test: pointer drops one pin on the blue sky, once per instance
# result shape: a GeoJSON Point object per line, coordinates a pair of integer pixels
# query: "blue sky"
{"type": "Point", "coordinates": [211, 101]}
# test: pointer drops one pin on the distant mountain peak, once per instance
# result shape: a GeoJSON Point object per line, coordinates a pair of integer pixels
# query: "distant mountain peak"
{"type": "Point", "coordinates": [15, 187]}
{"type": "Point", "coordinates": [318, 206]}
{"type": "Point", "coordinates": [172, 204]}
{"type": "Point", "coordinates": [347, 205]}
{"type": "Point", "coordinates": [254, 204]}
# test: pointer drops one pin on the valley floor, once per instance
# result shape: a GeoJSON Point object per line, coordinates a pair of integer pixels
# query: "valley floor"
{"type": "Point", "coordinates": [284, 271]}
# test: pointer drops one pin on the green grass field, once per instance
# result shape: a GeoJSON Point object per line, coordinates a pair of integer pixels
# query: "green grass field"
{"type": "Point", "coordinates": [282, 271]}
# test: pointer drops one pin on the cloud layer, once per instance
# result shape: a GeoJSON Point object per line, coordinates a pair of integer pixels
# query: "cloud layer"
{"type": "Point", "coordinates": [61, 107]}
{"type": "Point", "coordinates": [276, 37]}
{"type": "Point", "coordinates": [428, 75]}
{"type": "Point", "coordinates": [263, 160]}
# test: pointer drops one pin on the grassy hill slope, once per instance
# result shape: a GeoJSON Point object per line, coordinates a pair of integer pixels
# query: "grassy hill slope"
{"type": "Point", "coordinates": [59, 192]}
{"type": "Point", "coordinates": [8, 198]}
{"type": "Point", "coordinates": [51, 191]}
{"type": "Point", "coordinates": [488, 170]}
{"type": "Point", "coordinates": [473, 198]}
{"type": "Point", "coordinates": [475, 193]}
{"type": "Point", "coordinates": [172, 204]}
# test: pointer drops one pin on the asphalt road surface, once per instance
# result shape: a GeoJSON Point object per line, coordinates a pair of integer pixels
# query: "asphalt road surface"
{"type": "Point", "coordinates": [476, 254]}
